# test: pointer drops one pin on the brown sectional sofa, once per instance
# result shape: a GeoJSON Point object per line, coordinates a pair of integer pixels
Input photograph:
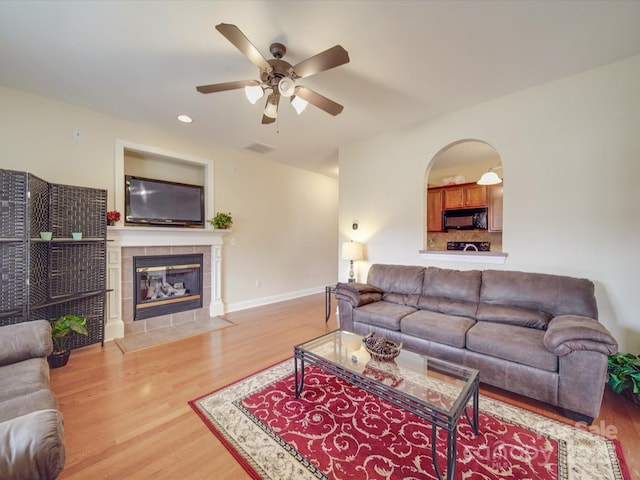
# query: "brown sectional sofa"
{"type": "Point", "coordinates": [31, 430]}
{"type": "Point", "coordinates": [529, 333]}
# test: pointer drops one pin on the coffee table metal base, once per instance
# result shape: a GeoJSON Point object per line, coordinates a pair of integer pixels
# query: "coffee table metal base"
{"type": "Point", "coordinates": [435, 417]}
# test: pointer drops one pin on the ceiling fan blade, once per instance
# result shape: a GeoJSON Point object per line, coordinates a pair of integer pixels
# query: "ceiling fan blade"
{"type": "Point", "coordinates": [221, 87]}
{"type": "Point", "coordinates": [266, 120]}
{"type": "Point", "coordinates": [323, 103]}
{"type": "Point", "coordinates": [242, 43]}
{"type": "Point", "coordinates": [334, 57]}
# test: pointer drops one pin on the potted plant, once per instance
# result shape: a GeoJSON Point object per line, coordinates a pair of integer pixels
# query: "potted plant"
{"type": "Point", "coordinates": [61, 328]}
{"type": "Point", "coordinates": [624, 375]}
{"type": "Point", "coordinates": [221, 221]}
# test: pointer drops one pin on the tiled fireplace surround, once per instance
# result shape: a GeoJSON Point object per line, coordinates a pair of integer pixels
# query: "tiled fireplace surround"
{"type": "Point", "coordinates": [127, 242]}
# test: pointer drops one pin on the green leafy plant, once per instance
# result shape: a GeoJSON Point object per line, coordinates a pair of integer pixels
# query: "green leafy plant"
{"type": "Point", "coordinates": [63, 326]}
{"type": "Point", "coordinates": [624, 374]}
{"type": "Point", "coordinates": [221, 220]}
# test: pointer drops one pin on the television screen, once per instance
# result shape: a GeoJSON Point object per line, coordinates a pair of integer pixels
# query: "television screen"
{"type": "Point", "coordinates": [158, 202]}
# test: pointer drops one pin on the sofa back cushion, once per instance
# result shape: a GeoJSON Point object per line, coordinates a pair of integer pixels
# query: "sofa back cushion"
{"type": "Point", "coordinates": [452, 284]}
{"type": "Point", "coordinates": [402, 279]}
{"type": "Point", "coordinates": [523, 317]}
{"type": "Point", "coordinates": [554, 294]}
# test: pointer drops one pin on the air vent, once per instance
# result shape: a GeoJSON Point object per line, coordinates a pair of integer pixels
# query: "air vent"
{"type": "Point", "coordinates": [260, 147]}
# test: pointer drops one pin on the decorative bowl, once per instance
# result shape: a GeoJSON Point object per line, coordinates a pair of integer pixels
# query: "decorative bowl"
{"type": "Point", "coordinates": [381, 349]}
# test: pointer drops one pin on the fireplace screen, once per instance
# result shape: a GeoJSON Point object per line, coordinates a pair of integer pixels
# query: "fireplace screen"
{"type": "Point", "coordinates": [166, 284]}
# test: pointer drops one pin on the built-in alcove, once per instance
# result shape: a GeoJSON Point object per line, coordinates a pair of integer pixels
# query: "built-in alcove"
{"type": "Point", "coordinates": [451, 187]}
{"type": "Point", "coordinates": [161, 164]}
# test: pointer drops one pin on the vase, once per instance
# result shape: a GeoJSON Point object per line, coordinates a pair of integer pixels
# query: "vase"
{"type": "Point", "coordinates": [58, 359]}
{"type": "Point", "coordinates": [110, 223]}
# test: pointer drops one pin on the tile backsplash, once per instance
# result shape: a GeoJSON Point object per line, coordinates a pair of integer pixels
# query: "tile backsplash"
{"type": "Point", "coordinates": [437, 241]}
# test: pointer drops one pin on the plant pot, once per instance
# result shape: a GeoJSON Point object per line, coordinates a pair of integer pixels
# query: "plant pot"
{"type": "Point", "coordinates": [58, 359]}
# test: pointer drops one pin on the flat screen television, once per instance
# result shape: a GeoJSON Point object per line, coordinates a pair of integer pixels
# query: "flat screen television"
{"type": "Point", "coordinates": [158, 202]}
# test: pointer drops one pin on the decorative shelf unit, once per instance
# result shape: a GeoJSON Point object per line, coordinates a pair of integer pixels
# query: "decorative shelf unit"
{"type": "Point", "coordinates": [13, 247]}
{"type": "Point", "coordinates": [60, 276]}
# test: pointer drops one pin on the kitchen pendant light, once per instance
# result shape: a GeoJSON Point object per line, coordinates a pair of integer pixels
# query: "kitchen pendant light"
{"type": "Point", "coordinates": [489, 178]}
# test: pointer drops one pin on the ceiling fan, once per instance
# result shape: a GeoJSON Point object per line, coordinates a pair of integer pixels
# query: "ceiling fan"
{"type": "Point", "coordinates": [279, 76]}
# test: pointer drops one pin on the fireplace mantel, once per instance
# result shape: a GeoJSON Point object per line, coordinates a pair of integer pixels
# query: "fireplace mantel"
{"type": "Point", "coordinates": [120, 237]}
{"type": "Point", "coordinates": [164, 236]}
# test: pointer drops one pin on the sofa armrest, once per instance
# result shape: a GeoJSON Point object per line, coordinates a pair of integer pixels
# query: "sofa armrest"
{"type": "Point", "coordinates": [358, 294]}
{"type": "Point", "coordinates": [570, 333]}
{"type": "Point", "coordinates": [32, 446]}
{"type": "Point", "coordinates": [22, 341]}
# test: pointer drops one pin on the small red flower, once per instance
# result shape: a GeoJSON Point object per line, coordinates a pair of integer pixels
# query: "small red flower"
{"type": "Point", "coordinates": [113, 216]}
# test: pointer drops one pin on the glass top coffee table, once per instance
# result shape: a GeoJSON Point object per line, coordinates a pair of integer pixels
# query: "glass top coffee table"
{"type": "Point", "coordinates": [432, 389]}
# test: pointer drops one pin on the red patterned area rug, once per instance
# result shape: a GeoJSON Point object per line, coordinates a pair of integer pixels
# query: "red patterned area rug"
{"type": "Point", "coordinates": [338, 431]}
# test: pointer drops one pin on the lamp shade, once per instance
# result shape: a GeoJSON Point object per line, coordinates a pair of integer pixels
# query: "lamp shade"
{"type": "Point", "coordinates": [489, 178]}
{"type": "Point", "coordinates": [253, 93]}
{"type": "Point", "coordinates": [299, 104]}
{"type": "Point", "coordinates": [286, 86]}
{"type": "Point", "coordinates": [351, 251]}
{"type": "Point", "coordinates": [271, 108]}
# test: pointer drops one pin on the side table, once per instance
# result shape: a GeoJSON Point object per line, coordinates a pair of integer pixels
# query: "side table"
{"type": "Point", "coordinates": [328, 290]}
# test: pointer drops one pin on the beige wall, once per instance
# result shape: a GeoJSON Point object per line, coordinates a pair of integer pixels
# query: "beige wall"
{"type": "Point", "coordinates": [570, 151]}
{"type": "Point", "coordinates": [285, 219]}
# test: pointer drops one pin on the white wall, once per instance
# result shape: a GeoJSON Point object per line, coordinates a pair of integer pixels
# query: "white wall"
{"type": "Point", "coordinates": [570, 151]}
{"type": "Point", "coordinates": [285, 219]}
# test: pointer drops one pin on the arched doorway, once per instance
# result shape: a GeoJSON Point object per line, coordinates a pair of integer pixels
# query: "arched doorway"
{"type": "Point", "coordinates": [460, 213]}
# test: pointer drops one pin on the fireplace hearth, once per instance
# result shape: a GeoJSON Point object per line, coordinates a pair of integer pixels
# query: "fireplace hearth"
{"type": "Point", "coordinates": [166, 284]}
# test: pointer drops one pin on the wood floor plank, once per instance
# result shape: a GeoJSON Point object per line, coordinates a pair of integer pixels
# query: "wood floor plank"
{"type": "Point", "coordinates": [126, 416]}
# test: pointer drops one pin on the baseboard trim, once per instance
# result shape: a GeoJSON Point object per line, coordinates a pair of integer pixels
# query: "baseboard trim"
{"type": "Point", "coordinates": [258, 302]}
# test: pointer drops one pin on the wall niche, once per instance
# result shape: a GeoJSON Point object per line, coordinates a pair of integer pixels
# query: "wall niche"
{"type": "Point", "coordinates": [462, 164]}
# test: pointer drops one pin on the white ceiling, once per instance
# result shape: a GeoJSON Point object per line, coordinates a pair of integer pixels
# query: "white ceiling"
{"type": "Point", "coordinates": [411, 61]}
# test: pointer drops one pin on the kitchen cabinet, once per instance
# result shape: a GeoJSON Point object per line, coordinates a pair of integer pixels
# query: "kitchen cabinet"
{"type": "Point", "coordinates": [495, 194]}
{"type": "Point", "coordinates": [434, 209]}
{"type": "Point", "coordinates": [468, 195]}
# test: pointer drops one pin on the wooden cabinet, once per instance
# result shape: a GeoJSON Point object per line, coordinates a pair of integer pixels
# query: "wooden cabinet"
{"type": "Point", "coordinates": [475, 195]}
{"type": "Point", "coordinates": [495, 193]}
{"type": "Point", "coordinates": [434, 209]}
{"type": "Point", "coordinates": [468, 195]}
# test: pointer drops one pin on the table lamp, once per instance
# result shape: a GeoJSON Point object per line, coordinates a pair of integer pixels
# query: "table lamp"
{"type": "Point", "coordinates": [351, 251]}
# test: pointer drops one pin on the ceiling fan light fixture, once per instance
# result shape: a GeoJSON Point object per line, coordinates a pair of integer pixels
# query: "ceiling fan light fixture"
{"type": "Point", "coordinates": [271, 108]}
{"type": "Point", "coordinates": [299, 104]}
{"type": "Point", "coordinates": [286, 86]}
{"type": "Point", "coordinates": [253, 93]}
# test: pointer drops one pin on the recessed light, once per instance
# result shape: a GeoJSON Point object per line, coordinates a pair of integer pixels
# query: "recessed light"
{"type": "Point", "coordinates": [185, 118]}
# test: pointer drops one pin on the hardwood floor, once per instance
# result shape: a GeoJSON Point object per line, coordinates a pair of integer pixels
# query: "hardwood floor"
{"type": "Point", "coordinates": [126, 416]}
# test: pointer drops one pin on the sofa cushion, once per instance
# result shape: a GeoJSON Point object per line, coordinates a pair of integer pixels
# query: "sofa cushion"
{"type": "Point", "coordinates": [396, 278]}
{"type": "Point", "coordinates": [402, 299]}
{"type": "Point", "coordinates": [452, 284]}
{"type": "Point", "coordinates": [25, 340]}
{"type": "Point", "coordinates": [524, 317]}
{"type": "Point", "coordinates": [382, 314]}
{"type": "Point", "coordinates": [558, 295]}
{"type": "Point", "coordinates": [510, 342]}
{"type": "Point", "coordinates": [32, 402]}
{"type": "Point", "coordinates": [448, 306]}
{"type": "Point", "coordinates": [24, 377]}
{"type": "Point", "coordinates": [438, 327]}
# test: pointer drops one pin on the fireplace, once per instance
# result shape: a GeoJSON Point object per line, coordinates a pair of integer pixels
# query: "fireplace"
{"type": "Point", "coordinates": [166, 284]}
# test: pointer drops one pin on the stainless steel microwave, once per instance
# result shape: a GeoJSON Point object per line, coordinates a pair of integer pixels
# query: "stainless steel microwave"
{"type": "Point", "coordinates": [465, 219]}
